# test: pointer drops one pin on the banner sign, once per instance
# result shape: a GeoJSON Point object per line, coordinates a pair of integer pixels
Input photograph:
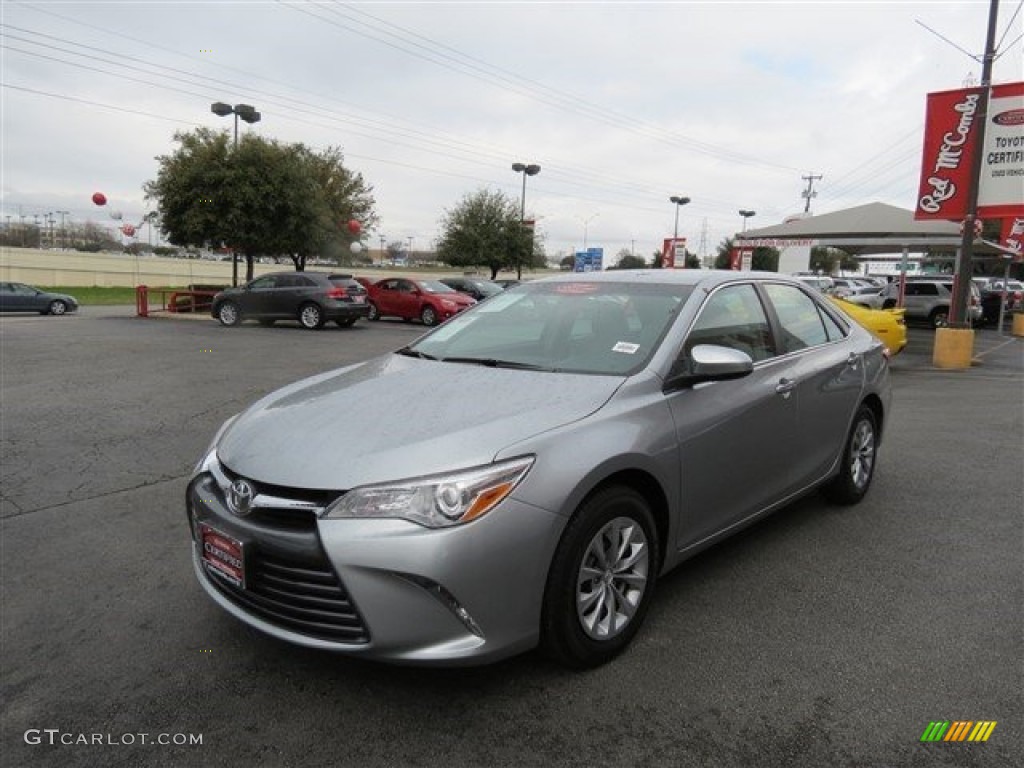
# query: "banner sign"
{"type": "Point", "coordinates": [590, 260]}
{"type": "Point", "coordinates": [1001, 190]}
{"type": "Point", "coordinates": [1012, 235]}
{"type": "Point", "coordinates": [946, 164]}
{"type": "Point", "coordinates": [949, 137]}
{"type": "Point", "coordinates": [741, 258]}
{"type": "Point", "coordinates": [673, 253]}
{"type": "Point", "coordinates": [775, 242]}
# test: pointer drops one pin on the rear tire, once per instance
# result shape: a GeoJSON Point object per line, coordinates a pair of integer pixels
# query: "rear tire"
{"type": "Point", "coordinates": [229, 314]}
{"type": "Point", "coordinates": [857, 467]}
{"type": "Point", "coordinates": [374, 313]}
{"type": "Point", "coordinates": [311, 317]}
{"type": "Point", "coordinates": [601, 580]}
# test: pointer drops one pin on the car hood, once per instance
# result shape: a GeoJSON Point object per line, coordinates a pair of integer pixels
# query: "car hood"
{"type": "Point", "coordinates": [396, 417]}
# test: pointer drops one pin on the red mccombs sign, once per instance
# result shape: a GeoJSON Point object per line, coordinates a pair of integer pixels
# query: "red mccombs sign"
{"type": "Point", "coordinates": [946, 165]}
{"type": "Point", "coordinates": [951, 124]}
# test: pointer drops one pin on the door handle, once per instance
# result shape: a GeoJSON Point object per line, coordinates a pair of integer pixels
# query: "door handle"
{"type": "Point", "coordinates": [785, 387]}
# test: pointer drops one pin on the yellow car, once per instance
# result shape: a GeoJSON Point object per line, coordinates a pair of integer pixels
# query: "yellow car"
{"type": "Point", "coordinates": [887, 325]}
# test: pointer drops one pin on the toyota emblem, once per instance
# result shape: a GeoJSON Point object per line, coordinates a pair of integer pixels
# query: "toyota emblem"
{"type": "Point", "coordinates": [240, 497]}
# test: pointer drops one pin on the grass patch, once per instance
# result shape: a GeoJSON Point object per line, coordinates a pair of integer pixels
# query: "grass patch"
{"type": "Point", "coordinates": [96, 296]}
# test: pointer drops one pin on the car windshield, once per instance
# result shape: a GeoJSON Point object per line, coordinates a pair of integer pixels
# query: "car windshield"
{"type": "Point", "coordinates": [487, 288]}
{"type": "Point", "coordinates": [433, 286]}
{"type": "Point", "coordinates": [578, 327]}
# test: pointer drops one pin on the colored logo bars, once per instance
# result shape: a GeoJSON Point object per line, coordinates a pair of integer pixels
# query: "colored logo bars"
{"type": "Point", "coordinates": [959, 730]}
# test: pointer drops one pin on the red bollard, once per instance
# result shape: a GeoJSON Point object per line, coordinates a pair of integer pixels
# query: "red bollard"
{"type": "Point", "coordinates": [142, 301]}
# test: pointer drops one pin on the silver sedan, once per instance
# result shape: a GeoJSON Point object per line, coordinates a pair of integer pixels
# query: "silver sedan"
{"type": "Point", "coordinates": [529, 469]}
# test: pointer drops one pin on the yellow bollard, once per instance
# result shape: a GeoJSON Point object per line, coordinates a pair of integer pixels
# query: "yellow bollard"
{"type": "Point", "coordinates": [954, 348]}
{"type": "Point", "coordinates": [1018, 324]}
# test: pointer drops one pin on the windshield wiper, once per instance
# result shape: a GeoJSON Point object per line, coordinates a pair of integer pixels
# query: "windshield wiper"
{"type": "Point", "coordinates": [492, 362]}
{"type": "Point", "coordinates": [410, 352]}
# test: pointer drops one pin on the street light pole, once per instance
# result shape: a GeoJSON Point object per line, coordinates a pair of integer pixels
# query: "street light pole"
{"type": "Point", "coordinates": [63, 232]}
{"type": "Point", "coordinates": [531, 169]}
{"type": "Point", "coordinates": [679, 202]}
{"type": "Point", "coordinates": [586, 223]}
{"type": "Point", "coordinates": [249, 114]}
{"type": "Point", "coordinates": [746, 215]}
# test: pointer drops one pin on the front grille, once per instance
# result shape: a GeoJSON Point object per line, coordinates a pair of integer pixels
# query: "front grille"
{"type": "Point", "coordinates": [285, 517]}
{"type": "Point", "coordinates": [301, 595]}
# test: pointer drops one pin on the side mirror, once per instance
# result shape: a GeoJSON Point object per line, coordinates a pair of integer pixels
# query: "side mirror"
{"type": "Point", "coordinates": [709, 362]}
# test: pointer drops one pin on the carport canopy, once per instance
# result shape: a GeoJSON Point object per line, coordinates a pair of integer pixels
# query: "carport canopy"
{"type": "Point", "coordinates": [866, 229]}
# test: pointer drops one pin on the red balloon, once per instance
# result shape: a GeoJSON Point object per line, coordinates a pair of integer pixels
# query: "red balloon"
{"type": "Point", "coordinates": [354, 226]}
{"type": "Point", "coordinates": [99, 198]}
{"type": "Point", "coordinates": [129, 230]}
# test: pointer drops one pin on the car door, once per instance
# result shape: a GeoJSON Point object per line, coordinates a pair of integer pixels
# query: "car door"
{"type": "Point", "coordinates": [829, 374]}
{"type": "Point", "coordinates": [255, 298]}
{"type": "Point", "coordinates": [407, 299]}
{"type": "Point", "coordinates": [735, 438]}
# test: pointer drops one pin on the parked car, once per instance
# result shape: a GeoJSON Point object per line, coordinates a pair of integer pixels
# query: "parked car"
{"type": "Point", "coordinates": [871, 297]}
{"type": "Point", "coordinates": [930, 298]}
{"type": "Point", "coordinates": [478, 519]}
{"type": "Point", "coordinates": [887, 325]}
{"type": "Point", "coordinates": [818, 282]}
{"type": "Point", "coordinates": [312, 298]}
{"type": "Point", "coordinates": [366, 282]}
{"type": "Point", "coordinates": [998, 293]}
{"type": "Point", "coordinates": [18, 297]}
{"type": "Point", "coordinates": [506, 284]}
{"type": "Point", "coordinates": [472, 286]}
{"type": "Point", "coordinates": [429, 301]}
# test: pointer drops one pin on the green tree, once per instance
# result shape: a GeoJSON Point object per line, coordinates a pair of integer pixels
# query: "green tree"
{"type": "Point", "coordinates": [629, 261]}
{"type": "Point", "coordinates": [262, 197]}
{"type": "Point", "coordinates": [567, 262]}
{"type": "Point", "coordinates": [484, 230]}
{"type": "Point", "coordinates": [344, 196]}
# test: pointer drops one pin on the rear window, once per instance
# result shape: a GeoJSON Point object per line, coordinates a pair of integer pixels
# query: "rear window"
{"type": "Point", "coordinates": [349, 284]}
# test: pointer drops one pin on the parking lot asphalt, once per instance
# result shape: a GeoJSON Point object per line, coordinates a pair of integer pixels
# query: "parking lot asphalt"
{"type": "Point", "coordinates": [819, 637]}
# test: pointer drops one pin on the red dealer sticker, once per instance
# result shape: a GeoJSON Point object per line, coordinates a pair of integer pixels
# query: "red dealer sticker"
{"type": "Point", "coordinates": [223, 555]}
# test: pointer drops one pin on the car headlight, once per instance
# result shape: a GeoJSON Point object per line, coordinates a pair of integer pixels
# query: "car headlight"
{"type": "Point", "coordinates": [210, 454]}
{"type": "Point", "coordinates": [435, 501]}
{"type": "Point", "coordinates": [448, 304]}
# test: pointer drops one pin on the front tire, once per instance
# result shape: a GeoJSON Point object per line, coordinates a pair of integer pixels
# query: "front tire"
{"type": "Point", "coordinates": [311, 317]}
{"type": "Point", "coordinates": [857, 467]}
{"type": "Point", "coordinates": [939, 318]}
{"type": "Point", "coordinates": [429, 316]}
{"type": "Point", "coordinates": [229, 314]}
{"type": "Point", "coordinates": [57, 307]}
{"type": "Point", "coordinates": [601, 580]}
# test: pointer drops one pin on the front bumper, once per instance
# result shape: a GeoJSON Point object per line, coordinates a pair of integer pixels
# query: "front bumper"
{"type": "Point", "coordinates": [384, 589]}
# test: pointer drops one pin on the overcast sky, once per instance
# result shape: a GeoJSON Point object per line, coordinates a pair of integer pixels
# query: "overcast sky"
{"type": "Point", "coordinates": [621, 104]}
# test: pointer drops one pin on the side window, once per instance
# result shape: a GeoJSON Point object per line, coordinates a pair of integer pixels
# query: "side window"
{"type": "Point", "coordinates": [799, 316]}
{"type": "Point", "coordinates": [262, 283]}
{"type": "Point", "coordinates": [303, 281]}
{"type": "Point", "coordinates": [387, 285]}
{"type": "Point", "coordinates": [733, 317]}
{"type": "Point", "coordinates": [404, 286]}
{"type": "Point", "coordinates": [832, 328]}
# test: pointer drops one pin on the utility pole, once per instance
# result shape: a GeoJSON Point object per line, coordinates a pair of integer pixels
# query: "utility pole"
{"type": "Point", "coordinates": [63, 232]}
{"type": "Point", "coordinates": [703, 250]}
{"type": "Point", "coordinates": [809, 192]}
{"type": "Point", "coordinates": [962, 285]}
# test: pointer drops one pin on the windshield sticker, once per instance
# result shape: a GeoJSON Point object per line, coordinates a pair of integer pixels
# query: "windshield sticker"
{"type": "Point", "coordinates": [576, 288]}
{"type": "Point", "coordinates": [625, 347]}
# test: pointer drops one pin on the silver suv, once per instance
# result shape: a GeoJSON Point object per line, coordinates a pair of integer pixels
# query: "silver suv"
{"type": "Point", "coordinates": [929, 299]}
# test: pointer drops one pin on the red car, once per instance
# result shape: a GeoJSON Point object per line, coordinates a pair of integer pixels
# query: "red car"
{"type": "Point", "coordinates": [430, 301]}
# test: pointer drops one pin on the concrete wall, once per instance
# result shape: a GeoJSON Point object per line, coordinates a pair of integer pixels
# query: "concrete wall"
{"type": "Point", "coordinates": [25, 265]}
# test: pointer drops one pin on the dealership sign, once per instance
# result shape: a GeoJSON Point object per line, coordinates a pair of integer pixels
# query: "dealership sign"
{"type": "Point", "coordinates": [951, 124]}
